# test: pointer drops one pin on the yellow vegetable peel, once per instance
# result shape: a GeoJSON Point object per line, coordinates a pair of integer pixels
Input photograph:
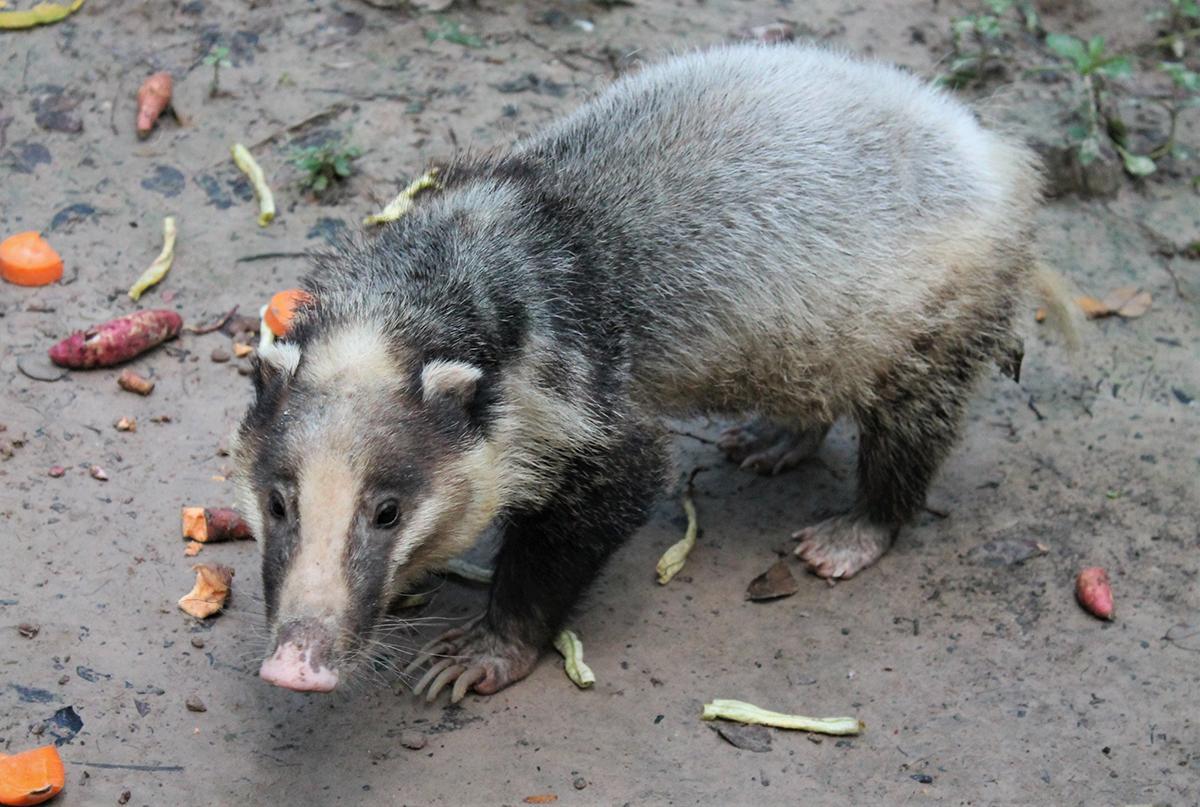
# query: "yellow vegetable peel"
{"type": "Point", "coordinates": [266, 201]}
{"type": "Point", "coordinates": [41, 14]}
{"type": "Point", "coordinates": [742, 712]}
{"type": "Point", "coordinates": [571, 648]}
{"type": "Point", "coordinates": [404, 200]}
{"type": "Point", "coordinates": [162, 264]}
{"type": "Point", "coordinates": [673, 559]}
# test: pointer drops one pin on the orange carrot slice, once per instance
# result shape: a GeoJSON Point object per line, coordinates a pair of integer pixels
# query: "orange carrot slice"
{"type": "Point", "coordinates": [282, 308]}
{"type": "Point", "coordinates": [27, 260]}
{"type": "Point", "coordinates": [31, 777]}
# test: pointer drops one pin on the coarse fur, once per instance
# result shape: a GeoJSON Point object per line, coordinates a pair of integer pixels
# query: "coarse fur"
{"type": "Point", "coordinates": [785, 231]}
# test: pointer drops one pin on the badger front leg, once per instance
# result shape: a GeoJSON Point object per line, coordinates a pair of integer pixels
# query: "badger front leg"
{"type": "Point", "coordinates": [547, 558]}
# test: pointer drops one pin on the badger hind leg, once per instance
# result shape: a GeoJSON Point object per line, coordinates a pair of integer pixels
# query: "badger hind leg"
{"type": "Point", "coordinates": [905, 434]}
{"type": "Point", "coordinates": [764, 446]}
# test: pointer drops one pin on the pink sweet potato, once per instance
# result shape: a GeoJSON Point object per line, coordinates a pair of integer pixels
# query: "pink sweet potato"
{"type": "Point", "coordinates": [153, 97]}
{"type": "Point", "coordinates": [207, 525]}
{"type": "Point", "coordinates": [117, 340]}
{"type": "Point", "coordinates": [1094, 592]}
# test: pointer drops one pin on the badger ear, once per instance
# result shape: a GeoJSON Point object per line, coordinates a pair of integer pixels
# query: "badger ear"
{"type": "Point", "coordinates": [456, 380]}
{"type": "Point", "coordinates": [273, 364]}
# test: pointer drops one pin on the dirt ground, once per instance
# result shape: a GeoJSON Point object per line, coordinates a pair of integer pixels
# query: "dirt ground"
{"type": "Point", "coordinates": [979, 678]}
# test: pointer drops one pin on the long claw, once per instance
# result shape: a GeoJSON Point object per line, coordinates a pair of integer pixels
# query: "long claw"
{"type": "Point", "coordinates": [425, 656]}
{"type": "Point", "coordinates": [448, 675]}
{"type": "Point", "coordinates": [465, 682]}
{"type": "Point", "coordinates": [431, 673]}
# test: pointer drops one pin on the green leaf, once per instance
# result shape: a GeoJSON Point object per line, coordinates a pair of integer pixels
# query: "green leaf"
{"type": "Point", "coordinates": [1069, 48]}
{"type": "Point", "coordinates": [354, 152]}
{"type": "Point", "coordinates": [1184, 79]}
{"type": "Point", "coordinates": [1137, 165]}
{"type": "Point", "coordinates": [1095, 48]}
{"type": "Point", "coordinates": [1115, 67]}
{"type": "Point", "coordinates": [1077, 132]}
{"type": "Point", "coordinates": [341, 167]}
{"type": "Point", "coordinates": [320, 183]}
{"type": "Point", "coordinates": [999, 7]}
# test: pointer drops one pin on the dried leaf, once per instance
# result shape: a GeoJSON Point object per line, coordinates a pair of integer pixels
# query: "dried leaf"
{"type": "Point", "coordinates": [748, 738]}
{"type": "Point", "coordinates": [1093, 308]}
{"type": "Point", "coordinates": [772, 584]}
{"type": "Point", "coordinates": [1119, 297]}
{"type": "Point", "coordinates": [1139, 304]}
{"type": "Point", "coordinates": [208, 596]}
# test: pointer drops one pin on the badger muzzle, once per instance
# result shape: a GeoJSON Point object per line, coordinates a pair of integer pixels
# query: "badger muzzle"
{"type": "Point", "coordinates": [300, 660]}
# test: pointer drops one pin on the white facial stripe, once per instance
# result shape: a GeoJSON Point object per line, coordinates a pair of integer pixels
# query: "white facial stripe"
{"type": "Point", "coordinates": [418, 527]}
{"type": "Point", "coordinates": [351, 356]}
{"type": "Point", "coordinates": [315, 584]}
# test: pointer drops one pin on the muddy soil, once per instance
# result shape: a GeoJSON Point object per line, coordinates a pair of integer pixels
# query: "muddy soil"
{"type": "Point", "coordinates": [979, 678]}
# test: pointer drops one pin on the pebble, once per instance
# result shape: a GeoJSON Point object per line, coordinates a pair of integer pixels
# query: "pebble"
{"type": "Point", "coordinates": [245, 369]}
{"type": "Point", "coordinates": [413, 739]}
{"type": "Point", "coordinates": [197, 642]}
{"type": "Point", "coordinates": [220, 355]}
{"type": "Point", "coordinates": [194, 704]}
{"type": "Point", "coordinates": [57, 471]}
{"type": "Point", "coordinates": [125, 796]}
{"type": "Point", "coordinates": [580, 783]}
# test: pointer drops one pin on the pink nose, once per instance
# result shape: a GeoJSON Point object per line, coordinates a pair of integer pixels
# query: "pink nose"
{"type": "Point", "coordinates": [292, 668]}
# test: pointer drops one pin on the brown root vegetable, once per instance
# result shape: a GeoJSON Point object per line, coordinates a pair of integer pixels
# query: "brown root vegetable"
{"type": "Point", "coordinates": [153, 97]}
{"type": "Point", "coordinates": [208, 525]}
{"type": "Point", "coordinates": [208, 596]}
{"type": "Point", "coordinates": [130, 381]}
{"type": "Point", "coordinates": [117, 340]}
{"type": "Point", "coordinates": [1094, 592]}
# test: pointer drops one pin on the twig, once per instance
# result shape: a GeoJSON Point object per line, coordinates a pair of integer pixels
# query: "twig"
{"type": "Point", "coordinates": [119, 767]}
{"type": "Point", "coordinates": [216, 326]}
{"type": "Point", "coordinates": [1175, 282]}
{"type": "Point", "coordinates": [265, 256]}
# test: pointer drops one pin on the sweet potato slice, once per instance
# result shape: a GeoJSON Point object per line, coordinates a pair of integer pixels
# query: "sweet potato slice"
{"type": "Point", "coordinates": [208, 596]}
{"type": "Point", "coordinates": [208, 525]}
{"type": "Point", "coordinates": [117, 340]}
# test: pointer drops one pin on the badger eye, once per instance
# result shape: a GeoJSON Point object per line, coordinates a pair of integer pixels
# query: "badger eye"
{"type": "Point", "coordinates": [276, 505]}
{"type": "Point", "coordinates": [387, 515]}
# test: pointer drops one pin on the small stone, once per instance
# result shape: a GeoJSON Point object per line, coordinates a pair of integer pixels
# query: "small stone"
{"type": "Point", "coordinates": [245, 369]}
{"type": "Point", "coordinates": [98, 473]}
{"type": "Point", "coordinates": [197, 642]}
{"type": "Point", "coordinates": [580, 783]}
{"type": "Point", "coordinates": [63, 679]}
{"type": "Point", "coordinates": [194, 704]}
{"type": "Point", "coordinates": [220, 355]}
{"type": "Point", "coordinates": [28, 629]}
{"type": "Point", "coordinates": [126, 425]}
{"type": "Point", "coordinates": [923, 778]}
{"type": "Point", "coordinates": [413, 739]}
{"type": "Point", "coordinates": [57, 471]}
{"type": "Point", "coordinates": [124, 797]}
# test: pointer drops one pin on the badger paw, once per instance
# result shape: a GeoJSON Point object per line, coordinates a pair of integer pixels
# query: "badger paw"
{"type": "Point", "coordinates": [471, 657]}
{"type": "Point", "coordinates": [843, 546]}
{"type": "Point", "coordinates": [767, 448]}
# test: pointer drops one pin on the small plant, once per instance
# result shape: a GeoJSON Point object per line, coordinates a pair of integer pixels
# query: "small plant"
{"type": "Point", "coordinates": [1183, 23]}
{"type": "Point", "coordinates": [324, 166]}
{"type": "Point", "coordinates": [452, 32]}
{"type": "Point", "coordinates": [217, 59]}
{"type": "Point", "coordinates": [979, 41]}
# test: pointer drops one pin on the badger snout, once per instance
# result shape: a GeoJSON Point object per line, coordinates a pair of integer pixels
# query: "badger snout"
{"type": "Point", "coordinates": [300, 659]}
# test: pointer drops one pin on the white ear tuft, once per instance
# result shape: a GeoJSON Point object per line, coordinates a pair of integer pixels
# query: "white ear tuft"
{"type": "Point", "coordinates": [284, 355]}
{"type": "Point", "coordinates": [455, 379]}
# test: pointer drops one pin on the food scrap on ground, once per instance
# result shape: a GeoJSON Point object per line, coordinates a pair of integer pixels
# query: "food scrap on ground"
{"type": "Point", "coordinates": [1094, 592]}
{"type": "Point", "coordinates": [192, 549]}
{"type": "Point", "coordinates": [126, 425]}
{"type": "Point", "coordinates": [208, 595]}
{"type": "Point", "coordinates": [27, 259]}
{"type": "Point", "coordinates": [404, 200]}
{"type": "Point", "coordinates": [31, 777]}
{"type": "Point", "coordinates": [1127, 302]}
{"type": "Point", "coordinates": [40, 14]}
{"type": "Point", "coordinates": [266, 200]}
{"type": "Point", "coordinates": [98, 473]}
{"type": "Point", "coordinates": [742, 712]}
{"type": "Point", "coordinates": [209, 525]}
{"type": "Point", "coordinates": [571, 648]}
{"type": "Point", "coordinates": [282, 308]}
{"type": "Point", "coordinates": [117, 340]}
{"type": "Point", "coordinates": [241, 351]}
{"type": "Point", "coordinates": [153, 97]}
{"type": "Point", "coordinates": [162, 264]}
{"type": "Point", "coordinates": [673, 559]}
{"type": "Point", "coordinates": [130, 381]}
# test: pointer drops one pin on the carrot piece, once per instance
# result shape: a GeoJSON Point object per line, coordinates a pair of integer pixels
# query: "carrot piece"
{"type": "Point", "coordinates": [153, 97]}
{"type": "Point", "coordinates": [26, 259]}
{"type": "Point", "coordinates": [282, 308]}
{"type": "Point", "coordinates": [31, 777]}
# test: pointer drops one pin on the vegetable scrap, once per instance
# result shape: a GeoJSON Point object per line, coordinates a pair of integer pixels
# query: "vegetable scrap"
{"type": "Point", "coordinates": [673, 559]}
{"type": "Point", "coordinates": [117, 340]}
{"type": "Point", "coordinates": [1126, 302]}
{"type": "Point", "coordinates": [192, 549]}
{"type": "Point", "coordinates": [241, 351]}
{"type": "Point", "coordinates": [282, 309]}
{"type": "Point", "coordinates": [403, 202]}
{"type": "Point", "coordinates": [31, 777]}
{"type": "Point", "coordinates": [571, 648]}
{"type": "Point", "coordinates": [742, 712]}
{"type": "Point", "coordinates": [27, 259]}
{"type": "Point", "coordinates": [266, 201]}
{"type": "Point", "coordinates": [1094, 592]}
{"type": "Point", "coordinates": [209, 525]}
{"type": "Point", "coordinates": [98, 473]}
{"type": "Point", "coordinates": [208, 595]}
{"type": "Point", "coordinates": [153, 97]}
{"type": "Point", "coordinates": [162, 264]}
{"type": "Point", "coordinates": [130, 381]}
{"type": "Point", "coordinates": [41, 14]}
{"type": "Point", "coordinates": [126, 425]}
